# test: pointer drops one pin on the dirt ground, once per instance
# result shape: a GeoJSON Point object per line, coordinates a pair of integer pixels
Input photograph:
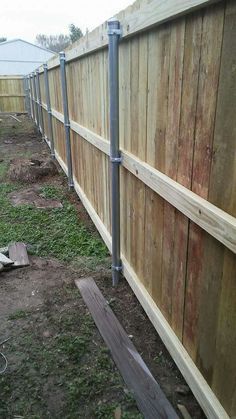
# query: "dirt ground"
{"type": "Point", "coordinates": [58, 365]}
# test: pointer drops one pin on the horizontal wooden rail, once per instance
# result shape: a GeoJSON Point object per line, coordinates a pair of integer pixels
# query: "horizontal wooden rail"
{"type": "Point", "coordinates": [193, 377]}
{"type": "Point", "coordinates": [11, 95]}
{"type": "Point", "coordinates": [156, 12]}
{"type": "Point", "coordinates": [210, 218]}
{"type": "Point", "coordinates": [150, 14]}
{"type": "Point", "coordinates": [11, 77]}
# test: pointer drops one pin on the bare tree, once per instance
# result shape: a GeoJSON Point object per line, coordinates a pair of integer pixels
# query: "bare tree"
{"type": "Point", "coordinates": [55, 43]}
{"type": "Point", "coordinates": [59, 42]}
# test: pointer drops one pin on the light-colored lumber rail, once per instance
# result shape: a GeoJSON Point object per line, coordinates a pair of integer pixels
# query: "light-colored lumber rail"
{"type": "Point", "coordinates": [210, 218]}
{"type": "Point", "coordinates": [11, 95]}
{"type": "Point", "coordinates": [10, 77]}
{"type": "Point", "coordinates": [193, 377]}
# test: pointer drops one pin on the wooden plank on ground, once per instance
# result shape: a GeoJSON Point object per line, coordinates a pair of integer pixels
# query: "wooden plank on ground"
{"type": "Point", "coordinates": [149, 397]}
{"type": "Point", "coordinates": [18, 253]}
{"type": "Point", "coordinates": [4, 260]}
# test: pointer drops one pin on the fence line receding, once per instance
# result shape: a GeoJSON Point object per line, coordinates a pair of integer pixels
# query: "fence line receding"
{"type": "Point", "coordinates": [177, 131]}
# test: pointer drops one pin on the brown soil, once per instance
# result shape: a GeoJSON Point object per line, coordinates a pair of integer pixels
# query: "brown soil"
{"type": "Point", "coordinates": [31, 196]}
{"type": "Point", "coordinates": [31, 170]}
{"type": "Point", "coordinates": [34, 289]}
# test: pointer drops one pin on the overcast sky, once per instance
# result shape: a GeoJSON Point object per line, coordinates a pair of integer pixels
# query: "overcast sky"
{"type": "Point", "coordinates": [25, 19]}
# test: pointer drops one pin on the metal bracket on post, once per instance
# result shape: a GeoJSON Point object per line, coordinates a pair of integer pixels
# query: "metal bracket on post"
{"type": "Point", "coordinates": [49, 111]}
{"type": "Point", "coordinates": [114, 31]}
{"type": "Point", "coordinates": [114, 34]}
{"type": "Point", "coordinates": [117, 268]}
{"type": "Point", "coordinates": [41, 123]}
{"type": "Point", "coordinates": [66, 118]}
{"type": "Point", "coordinates": [117, 160]}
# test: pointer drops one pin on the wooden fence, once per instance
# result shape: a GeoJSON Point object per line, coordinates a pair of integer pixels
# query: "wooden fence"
{"type": "Point", "coordinates": [12, 95]}
{"type": "Point", "coordinates": [177, 106]}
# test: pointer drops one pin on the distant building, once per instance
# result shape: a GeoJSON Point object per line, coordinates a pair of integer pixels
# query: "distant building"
{"type": "Point", "coordinates": [20, 57]}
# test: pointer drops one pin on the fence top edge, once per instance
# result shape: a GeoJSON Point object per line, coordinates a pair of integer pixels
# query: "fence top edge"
{"type": "Point", "coordinates": [136, 18]}
{"type": "Point", "coordinates": [11, 77]}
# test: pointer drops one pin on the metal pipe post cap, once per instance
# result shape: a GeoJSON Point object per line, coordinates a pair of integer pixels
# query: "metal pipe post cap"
{"type": "Point", "coordinates": [114, 27]}
{"type": "Point", "coordinates": [113, 20]}
{"type": "Point", "coordinates": [62, 55]}
{"type": "Point", "coordinates": [45, 66]}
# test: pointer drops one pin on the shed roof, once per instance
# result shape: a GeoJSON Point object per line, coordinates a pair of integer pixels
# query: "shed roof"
{"type": "Point", "coordinates": [21, 57]}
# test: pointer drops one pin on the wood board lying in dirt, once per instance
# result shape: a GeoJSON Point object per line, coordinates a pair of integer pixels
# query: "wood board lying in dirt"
{"type": "Point", "coordinates": [18, 256]}
{"type": "Point", "coordinates": [18, 253]}
{"type": "Point", "coordinates": [150, 399]}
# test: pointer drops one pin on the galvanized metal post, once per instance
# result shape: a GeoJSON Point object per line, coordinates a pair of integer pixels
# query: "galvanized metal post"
{"type": "Point", "coordinates": [49, 110]}
{"type": "Point", "coordinates": [36, 101]}
{"type": "Point", "coordinates": [41, 124]}
{"type": "Point", "coordinates": [32, 97]}
{"type": "Point", "coordinates": [66, 118]}
{"type": "Point", "coordinates": [114, 34]}
{"type": "Point", "coordinates": [26, 94]}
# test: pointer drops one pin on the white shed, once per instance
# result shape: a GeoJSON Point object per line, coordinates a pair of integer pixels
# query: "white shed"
{"type": "Point", "coordinates": [21, 57]}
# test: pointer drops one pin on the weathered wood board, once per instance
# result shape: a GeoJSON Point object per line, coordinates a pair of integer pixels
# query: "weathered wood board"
{"type": "Point", "coordinates": [4, 260]}
{"type": "Point", "coordinates": [18, 254]}
{"type": "Point", "coordinates": [151, 400]}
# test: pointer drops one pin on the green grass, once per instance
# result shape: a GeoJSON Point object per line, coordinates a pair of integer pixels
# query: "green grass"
{"type": "Point", "coordinates": [51, 192]}
{"type": "Point", "coordinates": [18, 314]}
{"type": "Point", "coordinates": [3, 169]}
{"type": "Point", "coordinates": [56, 232]}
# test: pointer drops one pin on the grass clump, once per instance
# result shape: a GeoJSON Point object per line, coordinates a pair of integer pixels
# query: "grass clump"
{"type": "Point", "coordinates": [18, 314]}
{"type": "Point", "coordinates": [51, 192]}
{"type": "Point", "coordinates": [3, 169]}
{"type": "Point", "coordinates": [57, 232]}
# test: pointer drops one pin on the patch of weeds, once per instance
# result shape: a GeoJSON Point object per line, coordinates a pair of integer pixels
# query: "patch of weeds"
{"type": "Point", "coordinates": [51, 192]}
{"type": "Point", "coordinates": [56, 233]}
{"type": "Point", "coordinates": [75, 347]}
{"type": "Point", "coordinates": [18, 314]}
{"type": "Point", "coordinates": [105, 411]}
{"type": "Point", "coordinates": [88, 263]}
{"type": "Point", "coordinates": [3, 169]}
{"type": "Point", "coordinates": [160, 358]}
